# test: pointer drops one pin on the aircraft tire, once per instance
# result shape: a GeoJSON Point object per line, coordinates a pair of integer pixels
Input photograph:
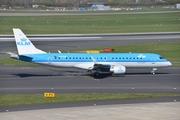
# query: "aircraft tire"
{"type": "Point", "coordinates": [96, 74]}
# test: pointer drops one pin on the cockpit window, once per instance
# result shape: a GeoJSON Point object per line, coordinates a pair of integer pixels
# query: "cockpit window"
{"type": "Point", "coordinates": [161, 57]}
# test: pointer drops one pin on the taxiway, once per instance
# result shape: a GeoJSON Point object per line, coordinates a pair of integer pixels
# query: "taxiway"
{"type": "Point", "coordinates": [15, 79]}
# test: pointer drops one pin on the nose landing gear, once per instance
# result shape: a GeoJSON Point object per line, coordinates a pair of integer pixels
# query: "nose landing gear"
{"type": "Point", "coordinates": [153, 70]}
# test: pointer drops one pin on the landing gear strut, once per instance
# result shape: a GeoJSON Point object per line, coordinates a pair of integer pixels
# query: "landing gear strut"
{"type": "Point", "coordinates": [153, 71]}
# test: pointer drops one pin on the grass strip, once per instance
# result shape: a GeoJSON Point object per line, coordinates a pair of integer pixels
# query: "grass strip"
{"type": "Point", "coordinates": [10, 61]}
{"type": "Point", "coordinates": [22, 99]}
{"type": "Point", "coordinates": [81, 24]}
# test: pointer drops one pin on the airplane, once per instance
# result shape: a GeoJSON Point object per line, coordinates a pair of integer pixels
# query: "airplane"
{"type": "Point", "coordinates": [96, 64]}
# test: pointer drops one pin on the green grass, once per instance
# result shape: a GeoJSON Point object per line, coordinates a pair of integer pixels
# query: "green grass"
{"type": "Point", "coordinates": [169, 50]}
{"type": "Point", "coordinates": [81, 24]}
{"type": "Point", "coordinates": [10, 61]}
{"type": "Point", "coordinates": [22, 99]}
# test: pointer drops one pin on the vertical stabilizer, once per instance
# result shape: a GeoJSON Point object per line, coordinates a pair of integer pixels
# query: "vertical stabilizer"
{"type": "Point", "coordinates": [24, 45]}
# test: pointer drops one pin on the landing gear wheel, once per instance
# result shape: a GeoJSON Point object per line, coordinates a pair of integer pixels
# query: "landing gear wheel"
{"type": "Point", "coordinates": [153, 71]}
{"type": "Point", "coordinates": [96, 74]}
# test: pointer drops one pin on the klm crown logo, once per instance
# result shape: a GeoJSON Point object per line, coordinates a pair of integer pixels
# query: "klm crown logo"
{"type": "Point", "coordinates": [120, 70]}
{"type": "Point", "coordinates": [141, 56]}
{"type": "Point", "coordinates": [23, 42]}
{"type": "Point", "coordinates": [23, 39]}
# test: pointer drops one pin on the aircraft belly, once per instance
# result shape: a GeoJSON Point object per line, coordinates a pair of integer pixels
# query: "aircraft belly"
{"type": "Point", "coordinates": [87, 65]}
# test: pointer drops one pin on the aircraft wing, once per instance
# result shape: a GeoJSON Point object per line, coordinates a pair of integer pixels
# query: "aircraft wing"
{"type": "Point", "coordinates": [99, 68]}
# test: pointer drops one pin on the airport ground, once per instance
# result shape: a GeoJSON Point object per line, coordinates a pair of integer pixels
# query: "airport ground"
{"type": "Point", "coordinates": [33, 80]}
{"type": "Point", "coordinates": [17, 79]}
{"type": "Point", "coordinates": [22, 80]}
{"type": "Point", "coordinates": [90, 23]}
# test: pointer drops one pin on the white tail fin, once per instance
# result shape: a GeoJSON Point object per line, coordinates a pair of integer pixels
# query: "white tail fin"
{"type": "Point", "coordinates": [24, 45]}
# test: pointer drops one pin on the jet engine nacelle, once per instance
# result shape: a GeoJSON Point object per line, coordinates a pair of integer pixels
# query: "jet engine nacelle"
{"type": "Point", "coordinates": [118, 69]}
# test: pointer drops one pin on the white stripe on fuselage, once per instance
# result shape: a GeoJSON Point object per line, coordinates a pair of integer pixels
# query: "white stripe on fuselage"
{"type": "Point", "coordinates": [87, 65]}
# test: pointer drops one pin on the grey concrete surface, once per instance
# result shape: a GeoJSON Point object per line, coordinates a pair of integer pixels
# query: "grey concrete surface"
{"type": "Point", "coordinates": [16, 79]}
{"type": "Point", "coordinates": [88, 103]}
{"type": "Point", "coordinates": [145, 111]}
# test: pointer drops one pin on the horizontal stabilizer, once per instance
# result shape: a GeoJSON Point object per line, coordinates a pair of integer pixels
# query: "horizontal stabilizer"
{"type": "Point", "coordinates": [12, 55]}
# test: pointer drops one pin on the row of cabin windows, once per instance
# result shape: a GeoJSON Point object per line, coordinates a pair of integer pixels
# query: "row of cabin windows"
{"type": "Point", "coordinates": [94, 57]}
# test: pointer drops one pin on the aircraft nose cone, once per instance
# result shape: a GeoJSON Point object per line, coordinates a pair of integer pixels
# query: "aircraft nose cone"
{"type": "Point", "coordinates": [169, 63]}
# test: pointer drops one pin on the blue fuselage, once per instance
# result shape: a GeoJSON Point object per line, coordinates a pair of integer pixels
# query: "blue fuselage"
{"type": "Point", "coordinates": [71, 59]}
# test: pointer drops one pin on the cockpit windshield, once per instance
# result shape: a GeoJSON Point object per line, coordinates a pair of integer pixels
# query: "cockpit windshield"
{"type": "Point", "coordinates": [161, 57]}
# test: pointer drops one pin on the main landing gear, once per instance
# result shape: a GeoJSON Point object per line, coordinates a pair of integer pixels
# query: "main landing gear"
{"type": "Point", "coordinates": [153, 70]}
{"type": "Point", "coordinates": [94, 73]}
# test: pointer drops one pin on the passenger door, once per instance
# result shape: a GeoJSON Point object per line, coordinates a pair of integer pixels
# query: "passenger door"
{"type": "Point", "coordinates": [153, 60]}
{"type": "Point", "coordinates": [49, 59]}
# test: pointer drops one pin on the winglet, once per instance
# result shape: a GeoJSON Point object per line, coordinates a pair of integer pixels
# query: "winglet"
{"type": "Point", "coordinates": [24, 45]}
